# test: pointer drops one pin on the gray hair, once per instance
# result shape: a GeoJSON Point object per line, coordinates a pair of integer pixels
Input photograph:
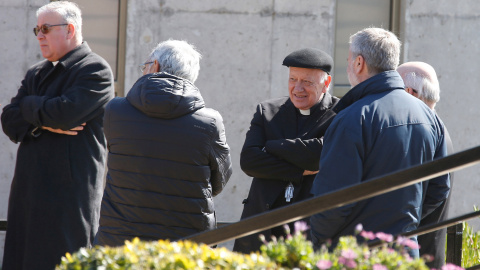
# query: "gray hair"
{"type": "Point", "coordinates": [69, 11]}
{"type": "Point", "coordinates": [177, 57]}
{"type": "Point", "coordinates": [380, 49]}
{"type": "Point", "coordinates": [324, 78]}
{"type": "Point", "coordinates": [427, 90]}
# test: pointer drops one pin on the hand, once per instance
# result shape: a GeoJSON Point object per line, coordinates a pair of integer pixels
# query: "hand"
{"type": "Point", "coordinates": [307, 172]}
{"type": "Point", "coordinates": [72, 131]}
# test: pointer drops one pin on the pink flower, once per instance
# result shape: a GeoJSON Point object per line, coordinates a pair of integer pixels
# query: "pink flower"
{"type": "Point", "coordinates": [407, 242]}
{"type": "Point", "coordinates": [450, 266]}
{"type": "Point", "coordinates": [379, 267]}
{"type": "Point", "coordinates": [358, 228]}
{"type": "Point", "coordinates": [301, 226]}
{"type": "Point", "coordinates": [351, 264]}
{"type": "Point", "coordinates": [349, 254]}
{"type": "Point", "coordinates": [384, 236]}
{"type": "Point", "coordinates": [428, 257]}
{"type": "Point", "coordinates": [367, 235]}
{"type": "Point", "coordinates": [287, 229]}
{"type": "Point", "coordinates": [324, 264]}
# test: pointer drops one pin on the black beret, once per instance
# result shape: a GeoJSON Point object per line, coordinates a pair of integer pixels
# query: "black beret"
{"type": "Point", "coordinates": [309, 58]}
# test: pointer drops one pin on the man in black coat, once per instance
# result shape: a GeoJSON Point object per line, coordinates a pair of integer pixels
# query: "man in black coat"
{"type": "Point", "coordinates": [421, 81]}
{"type": "Point", "coordinates": [56, 117]}
{"type": "Point", "coordinates": [283, 145]}
{"type": "Point", "coordinates": [167, 153]}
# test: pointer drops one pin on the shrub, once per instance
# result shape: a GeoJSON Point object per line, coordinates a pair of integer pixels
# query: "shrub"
{"type": "Point", "coordinates": [292, 252]}
{"type": "Point", "coordinates": [470, 246]}
{"type": "Point", "coordinates": [296, 252]}
{"type": "Point", "coordinates": [162, 255]}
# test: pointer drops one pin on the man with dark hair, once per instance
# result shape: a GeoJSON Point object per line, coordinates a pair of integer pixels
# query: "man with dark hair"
{"type": "Point", "coordinates": [379, 129]}
{"type": "Point", "coordinates": [57, 117]}
{"type": "Point", "coordinates": [282, 147]}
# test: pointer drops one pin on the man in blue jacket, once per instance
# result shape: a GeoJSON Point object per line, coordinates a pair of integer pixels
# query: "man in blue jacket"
{"type": "Point", "coordinates": [379, 129]}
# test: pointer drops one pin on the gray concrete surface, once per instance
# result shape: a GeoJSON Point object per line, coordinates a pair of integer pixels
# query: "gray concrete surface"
{"type": "Point", "coordinates": [243, 44]}
{"type": "Point", "coordinates": [445, 34]}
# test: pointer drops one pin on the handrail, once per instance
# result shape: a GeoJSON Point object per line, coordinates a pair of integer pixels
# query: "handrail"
{"type": "Point", "coordinates": [431, 227]}
{"type": "Point", "coordinates": [374, 187]}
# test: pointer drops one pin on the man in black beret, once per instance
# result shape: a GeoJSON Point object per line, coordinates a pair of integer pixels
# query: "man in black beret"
{"type": "Point", "coordinates": [283, 145]}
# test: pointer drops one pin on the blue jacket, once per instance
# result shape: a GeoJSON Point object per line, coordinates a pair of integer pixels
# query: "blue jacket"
{"type": "Point", "coordinates": [379, 129]}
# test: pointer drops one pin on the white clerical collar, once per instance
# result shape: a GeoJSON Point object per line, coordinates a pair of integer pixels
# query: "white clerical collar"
{"type": "Point", "coordinates": [55, 63]}
{"type": "Point", "coordinates": [305, 112]}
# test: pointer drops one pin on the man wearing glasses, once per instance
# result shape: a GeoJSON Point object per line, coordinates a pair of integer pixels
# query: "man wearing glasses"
{"type": "Point", "coordinates": [56, 117]}
{"type": "Point", "coordinates": [283, 144]}
{"type": "Point", "coordinates": [167, 153]}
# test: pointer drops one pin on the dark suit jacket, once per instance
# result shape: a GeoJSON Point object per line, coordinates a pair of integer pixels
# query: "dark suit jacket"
{"type": "Point", "coordinates": [276, 152]}
{"type": "Point", "coordinates": [57, 187]}
{"type": "Point", "coordinates": [433, 243]}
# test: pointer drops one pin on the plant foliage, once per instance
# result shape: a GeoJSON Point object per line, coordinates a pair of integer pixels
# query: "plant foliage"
{"type": "Point", "coordinates": [291, 252]}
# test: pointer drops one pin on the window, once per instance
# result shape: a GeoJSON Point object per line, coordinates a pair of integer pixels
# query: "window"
{"type": "Point", "coordinates": [104, 24]}
{"type": "Point", "coordinates": [352, 16]}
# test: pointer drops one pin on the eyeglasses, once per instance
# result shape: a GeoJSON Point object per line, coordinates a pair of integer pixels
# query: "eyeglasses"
{"type": "Point", "coordinates": [45, 28]}
{"type": "Point", "coordinates": [144, 65]}
{"type": "Point", "coordinates": [414, 91]}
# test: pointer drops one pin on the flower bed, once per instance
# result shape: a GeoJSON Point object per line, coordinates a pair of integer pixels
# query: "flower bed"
{"type": "Point", "coordinates": [292, 252]}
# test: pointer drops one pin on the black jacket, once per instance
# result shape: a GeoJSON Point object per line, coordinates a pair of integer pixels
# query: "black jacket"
{"type": "Point", "coordinates": [167, 158]}
{"type": "Point", "coordinates": [277, 150]}
{"type": "Point", "coordinates": [56, 191]}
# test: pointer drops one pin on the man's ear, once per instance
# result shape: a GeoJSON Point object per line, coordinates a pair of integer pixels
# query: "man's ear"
{"type": "Point", "coordinates": [359, 64]}
{"type": "Point", "coordinates": [156, 66]}
{"type": "Point", "coordinates": [71, 31]}
{"type": "Point", "coordinates": [327, 82]}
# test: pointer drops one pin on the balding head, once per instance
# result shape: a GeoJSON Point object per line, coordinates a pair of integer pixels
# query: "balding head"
{"type": "Point", "coordinates": [421, 81]}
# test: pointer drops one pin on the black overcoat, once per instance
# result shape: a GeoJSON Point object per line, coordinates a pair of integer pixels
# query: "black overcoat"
{"type": "Point", "coordinates": [167, 158]}
{"type": "Point", "coordinates": [276, 152]}
{"type": "Point", "coordinates": [57, 186]}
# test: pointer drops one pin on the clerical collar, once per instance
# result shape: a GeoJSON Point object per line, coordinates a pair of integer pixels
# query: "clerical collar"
{"type": "Point", "coordinates": [55, 63]}
{"type": "Point", "coordinates": [304, 112]}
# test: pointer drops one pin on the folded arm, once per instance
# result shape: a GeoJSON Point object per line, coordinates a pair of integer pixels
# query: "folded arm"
{"type": "Point", "coordinates": [75, 105]}
{"type": "Point", "coordinates": [257, 162]}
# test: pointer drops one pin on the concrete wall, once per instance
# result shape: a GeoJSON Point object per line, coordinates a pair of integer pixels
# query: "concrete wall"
{"type": "Point", "coordinates": [243, 44]}
{"type": "Point", "coordinates": [445, 35]}
{"type": "Point", "coordinates": [18, 50]}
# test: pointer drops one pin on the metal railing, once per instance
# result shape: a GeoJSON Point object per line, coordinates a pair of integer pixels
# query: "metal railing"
{"type": "Point", "coordinates": [348, 195]}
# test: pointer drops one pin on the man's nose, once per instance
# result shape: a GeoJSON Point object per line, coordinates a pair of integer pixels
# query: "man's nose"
{"type": "Point", "coordinates": [40, 35]}
{"type": "Point", "coordinates": [298, 86]}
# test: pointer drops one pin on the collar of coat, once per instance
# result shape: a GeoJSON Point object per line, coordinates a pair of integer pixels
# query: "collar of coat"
{"type": "Point", "coordinates": [73, 56]}
{"type": "Point", "coordinates": [382, 82]}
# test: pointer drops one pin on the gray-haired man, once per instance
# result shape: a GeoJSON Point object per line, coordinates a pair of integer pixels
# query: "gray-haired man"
{"type": "Point", "coordinates": [421, 81]}
{"type": "Point", "coordinates": [167, 153]}
{"type": "Point", "coordinates": [379, 129]}
{"type": "Point", "coordinates": [57, 117]}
